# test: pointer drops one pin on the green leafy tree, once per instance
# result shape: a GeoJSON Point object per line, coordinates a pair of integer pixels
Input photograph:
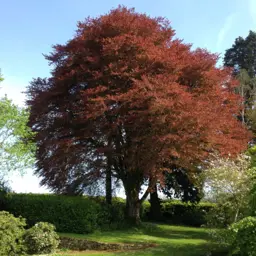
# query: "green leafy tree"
{"type": "Point", "coordinates": [16, 149]}
{"type": "Point", "coordinates": [242, 58]}
{"type": "Point", "coordinates": [246, 89]}
{"type": "Point", "coordinates": [1, 77]}
{"type": "Point", "coordinates": [228, 182]}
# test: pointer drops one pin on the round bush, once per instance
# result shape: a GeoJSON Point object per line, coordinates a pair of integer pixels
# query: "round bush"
{"type": "Point", "coordinates": [41, 238]}
{"type": "Point", "coordinates": [11, 233]}
{"type": "Point", "coordinates": [245, 236]}
{"type": "Point", "coordinates": [221, 216]}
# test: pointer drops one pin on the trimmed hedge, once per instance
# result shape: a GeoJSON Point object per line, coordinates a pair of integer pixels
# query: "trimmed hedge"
{"type": "Point", "coordinates": [82, 214]}
{"type": "Point", "coordinates": [180, 213]}
{"type": "Point", "coordinates": [67, 214]}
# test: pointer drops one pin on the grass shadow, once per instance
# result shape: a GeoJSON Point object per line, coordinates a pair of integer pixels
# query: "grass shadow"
{"type": "Point", "coordinates": [170, 240]}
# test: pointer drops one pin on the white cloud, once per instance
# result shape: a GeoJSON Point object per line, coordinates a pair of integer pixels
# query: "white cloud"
{"type": "Point", "coordinates": [224, 30]}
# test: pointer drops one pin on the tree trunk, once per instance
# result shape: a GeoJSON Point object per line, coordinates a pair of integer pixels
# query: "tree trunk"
{"type": "Point", "coordinates": [133, 207]}
{"type": "Point", "coordinates": [155, 213]}
{"type": "Point", "coordinates": [133, 202]}
{"type": "Point", "coordinates": [243, 107]}
{"type": "Point", "coordinates": [108, 182]}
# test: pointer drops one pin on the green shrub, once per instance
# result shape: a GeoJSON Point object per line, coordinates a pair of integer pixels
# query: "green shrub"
{"type": "Point", "coordinates": [68, 214]}
{"type": "Point", "coordinates": [41, 238]}
{"type": "Point", "coordinates": [222, 215]}
{"type": "Point", "coordinates": [84, 214]}
{"type": "Point", "coordinates": [173, 211]}
{"type": "Point", "coordinates": [115, 214]}
{"type": "Point", "coordinates": [238, 239]}
{"type": "Point", "coordinates": [244, 233]}
{"type": "Point", "coordinates": [223, 240]}
{"type": "Point", "coordinates": [11, 235]}
{"type": "Point", "coordinates": [177, 212]}
{"type": "Point", "coordinates": [252, 201]}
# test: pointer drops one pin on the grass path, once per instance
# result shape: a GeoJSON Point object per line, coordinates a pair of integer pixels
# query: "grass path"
{"type": "Point", "coordinates": [169, 240]}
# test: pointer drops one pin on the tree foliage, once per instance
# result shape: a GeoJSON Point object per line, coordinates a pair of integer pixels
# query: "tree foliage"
{"type": "Point", "coordinates": [252, 202]}
{"type": "Point", "coordinates": [1, 77]}
{"type": "Point", "coordinates": [243, 233]}
{"type": "Point", "coordinates": [242, 58]}
{"type": "Point", "coordinates": [228, 182]}
{"type": "Point", "coordinates": [124, 89]}
{"type": "Point", "coordinates": [16, 149]}
{"type": "Point", "coordinates": [242, 55]}
{"type": "Point", "coordinates": [184, 184]}
{"type": "Point", "coordinates": [247, 90]}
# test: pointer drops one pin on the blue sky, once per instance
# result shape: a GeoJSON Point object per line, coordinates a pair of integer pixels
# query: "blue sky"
{"type": "Point", "coordinates": [30, 27]}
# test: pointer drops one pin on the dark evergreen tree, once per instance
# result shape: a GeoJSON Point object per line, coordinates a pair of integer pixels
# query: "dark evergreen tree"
{"type": "Point", "coordinates": [242, 58]}
{"type": "Point", "coordinates": [181, 183]}
{"type": "Point", "coordinates": [242, 55]}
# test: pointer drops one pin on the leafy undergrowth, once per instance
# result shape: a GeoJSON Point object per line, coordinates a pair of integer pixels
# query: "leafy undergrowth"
{"type": "Point", "coordinates": [169, 240]}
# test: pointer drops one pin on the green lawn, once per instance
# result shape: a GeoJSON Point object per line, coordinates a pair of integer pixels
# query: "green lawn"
{"type": "Point", "coordinates": [169, 240]}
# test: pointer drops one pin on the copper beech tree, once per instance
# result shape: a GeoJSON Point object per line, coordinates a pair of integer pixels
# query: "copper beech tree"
{"type": "Point", "coordinates": [126, 96]}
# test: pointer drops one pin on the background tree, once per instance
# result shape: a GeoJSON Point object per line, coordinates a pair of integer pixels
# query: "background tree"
{"type": "Point", "coordinates": [16, 149]}
{"type": "Point", "coordinates": [242, 58]}
{"type": "Point", "coordinates": [247, 91]}
{"type": "Point", "coordinates": [1, 77]}
{"type": "Point", "coordinates": [228, 183]}
{"type": "Point", "coordinates": [183, 184]}
{"type": "Point", "coordinates": [123, 87]}
{"type": "Point", "coordinates": [242, 55]}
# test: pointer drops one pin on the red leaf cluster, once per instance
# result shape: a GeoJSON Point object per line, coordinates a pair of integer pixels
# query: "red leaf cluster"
{"type": "Point", "coordinates": [124, 88]}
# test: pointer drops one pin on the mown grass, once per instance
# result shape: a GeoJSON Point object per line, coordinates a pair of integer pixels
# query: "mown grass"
{"type": "Point", "coordinates": [169, 240]}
